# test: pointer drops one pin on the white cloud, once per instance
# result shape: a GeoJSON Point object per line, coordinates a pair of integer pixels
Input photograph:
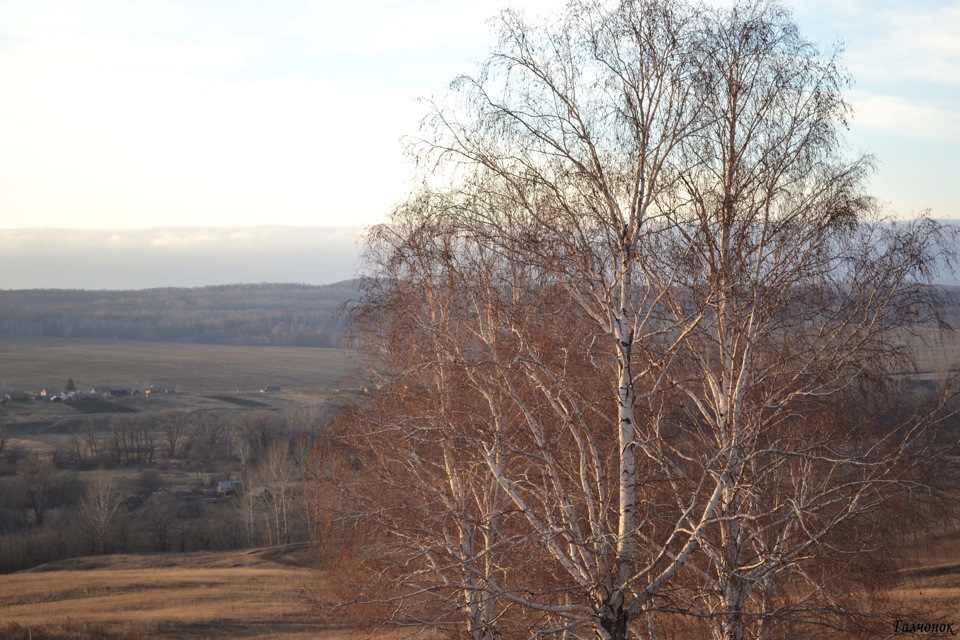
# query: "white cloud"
{"type": "Point", "coordinates": [154, 35]}
{"type": "Point", "coordinates": [904, 117]}
{"type": "Point", "coordinates": [149, 113]}
{"type": "Point", "coordinates": [905, 45]}
{"type": "Point", "coordinates": [223, 152]}
{"type": "Point", "coordinates": [133, 259]}
{"type": "Point", "coordinates": [404, 27]}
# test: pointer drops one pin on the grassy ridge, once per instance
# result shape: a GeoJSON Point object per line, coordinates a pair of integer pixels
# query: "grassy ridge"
{"type": "Point", "coordinates": [33, 363]}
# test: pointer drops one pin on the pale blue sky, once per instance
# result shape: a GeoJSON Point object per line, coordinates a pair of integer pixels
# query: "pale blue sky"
{"type": "Point", "coordinates": [166, 113]}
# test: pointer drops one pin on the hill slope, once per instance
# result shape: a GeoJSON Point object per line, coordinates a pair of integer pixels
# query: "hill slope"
{"type": "Point", "coordinates": [247, 314]}
{"type": "Point", "coordinates": [245, 594]}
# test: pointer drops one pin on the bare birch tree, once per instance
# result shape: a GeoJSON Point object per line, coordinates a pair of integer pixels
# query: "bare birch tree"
{"type": "Point", "coordinates": [173, 427]}
{"type": "Point", "coordinates": [566, 140]}
{"type": "Point", "coordinates": [280, 475]}
{"type": "Point", "coordinates": [803, 296]}
{"type": "Point", "coordinates": [37, 477]}
{"type": "Point", "coordinates": [434, 507]}
{"type": "Point", "coordinates": [637, 270]}
{"type": "Point", "coordinates": [99, 507]}
{"type": "Point", "coordinates": [4, 439]}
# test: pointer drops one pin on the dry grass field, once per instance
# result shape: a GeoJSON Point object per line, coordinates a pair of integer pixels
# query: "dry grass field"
{"type": "Point", "coordinates": [259, 595]}
{"type": "Point", "coordinates": [254, 595]}
{"type": "Point", "coordinates": [33, 363]}
{"type": "Point", "coordinates": [929, 581]}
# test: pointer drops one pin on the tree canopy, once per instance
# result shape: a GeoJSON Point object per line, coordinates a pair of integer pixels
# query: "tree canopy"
{"type": "Point", "coordinates": [624, 329]}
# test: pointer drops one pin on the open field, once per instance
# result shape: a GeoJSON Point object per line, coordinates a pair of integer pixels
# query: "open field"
{"type": "Point", "coordinates": [259, 594]}
{"type": "Point", "coordinates": [33, 363]}
{"type": "Point", "coordinates": [930, 580]}
{"type": "Point", "coordinates": [254, 595]}
{"type": "Point", "coordinates": [937, 355]}
{"type": "Point", "coordinates": [40, 419]}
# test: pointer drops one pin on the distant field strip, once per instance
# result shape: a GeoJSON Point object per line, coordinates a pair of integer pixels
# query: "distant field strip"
{"type": "Point", "coordinates": [33, 363]}
{"type": "Point", "coordinates": [242, 402]}
{"type": "Point", "coordinates": [937, 354]}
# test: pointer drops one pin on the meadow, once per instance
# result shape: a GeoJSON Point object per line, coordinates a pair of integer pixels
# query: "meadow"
{"type": "Point", "coordinates": [255, 594]}
{"type": "Point", "coordinates": [30, 364]}
{"type": "Point", "coordinates": [262, 594]}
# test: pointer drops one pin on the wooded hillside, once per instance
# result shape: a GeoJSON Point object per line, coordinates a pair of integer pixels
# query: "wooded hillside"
{"type": "Point", "coordinates": [243, 314]}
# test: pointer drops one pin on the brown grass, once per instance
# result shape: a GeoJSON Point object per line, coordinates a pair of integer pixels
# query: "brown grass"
{"type": "Point", "coordinates": [32, 363]}
{"type": "Point", "coordinates": [249, 594]}
{"type": "Point", "coordinates": [257, 594]}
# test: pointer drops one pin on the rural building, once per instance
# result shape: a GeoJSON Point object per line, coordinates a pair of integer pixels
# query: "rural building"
{"type": "Point", "coordinates": [152, 390]}
{"type": "Point", "coordinates": [14, 395]}
{"type": "Point", "coordinates": [228, 487]}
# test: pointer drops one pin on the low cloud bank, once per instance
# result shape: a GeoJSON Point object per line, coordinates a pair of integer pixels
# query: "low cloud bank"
{"type": "Point", "coordinates": [175, 257]}
{"type": "Point", "coordinates": [186, 257]}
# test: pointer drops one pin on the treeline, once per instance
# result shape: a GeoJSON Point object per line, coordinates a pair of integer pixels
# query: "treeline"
{"type": "Point", "coordinates": [83, 499]}
{"type": "Point", "coordinates": [244, 314]}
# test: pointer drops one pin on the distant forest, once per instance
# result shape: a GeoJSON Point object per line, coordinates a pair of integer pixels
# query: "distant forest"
{"type": "Point", "coordinates": [244, 314]}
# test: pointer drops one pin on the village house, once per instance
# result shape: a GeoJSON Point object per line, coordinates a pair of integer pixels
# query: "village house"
{"type": "Point", "coordinates": [228, 487]}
